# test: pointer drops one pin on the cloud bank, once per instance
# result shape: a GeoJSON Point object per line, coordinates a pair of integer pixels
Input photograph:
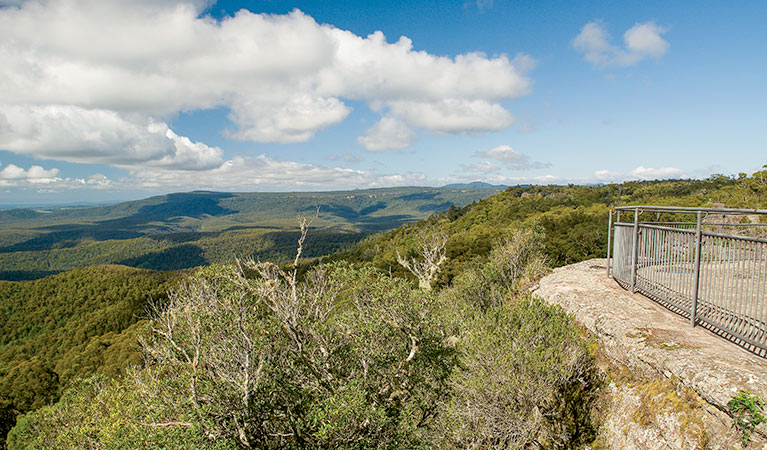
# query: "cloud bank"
{"type": "Point", "coordinates": [97, 81]}
{"type": "Point", "coordinates": [37, 177]}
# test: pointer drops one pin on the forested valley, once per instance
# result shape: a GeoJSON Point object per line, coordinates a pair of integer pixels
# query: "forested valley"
{"type": "Point", "coordinates": [341, 351]}
{"type": "Point", "coordinates": [193, 229]}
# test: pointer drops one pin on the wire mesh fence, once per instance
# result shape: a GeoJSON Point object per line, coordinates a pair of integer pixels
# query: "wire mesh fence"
{"type": "Point", "coordinates": [712, 269]}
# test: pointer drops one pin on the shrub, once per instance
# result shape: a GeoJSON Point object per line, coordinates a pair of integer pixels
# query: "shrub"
{"type": "Point", "coordinates": [527, 380]}
{"type": "Point", "coordinates": [100, 412]}
{"type": "Point", "coordinates": [526, 377]}
{"type": "Point", "coordinates": [511, 265]}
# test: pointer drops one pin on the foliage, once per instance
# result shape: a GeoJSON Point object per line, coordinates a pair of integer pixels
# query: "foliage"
{"type": "Point", "coordinates": [101, 412]}
{"type": "Point", "coordinates": [490, 282]}
{"type": "Point", "coordinates": [250, 357]}
{"type": "Point", "coordinates": [574, 219]}
{"type": "Point", "coordinates": [527, 379]}
{"type": "Point", "coordinates": [348, 359]}
{"type": "Point", "coordinates": [185, 230]}
{"type": "Point", "coordinates": [67, 326]}
{"type": "Point", "coordinates": [747, 411]}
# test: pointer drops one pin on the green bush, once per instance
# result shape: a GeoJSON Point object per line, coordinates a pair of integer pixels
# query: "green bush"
{"type": "Point", "coordinates": [495, 279]}
{"type": "Point", "coordinates": [101, 412]}
{"type": "Point", "coordinates": [527, 380]}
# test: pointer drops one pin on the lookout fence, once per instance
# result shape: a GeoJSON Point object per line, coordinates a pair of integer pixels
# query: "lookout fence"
{"type": "Point", "coordinates": [707, 264]}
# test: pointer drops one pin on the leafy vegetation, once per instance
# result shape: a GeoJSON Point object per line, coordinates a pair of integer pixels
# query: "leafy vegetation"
{"type": "Point", "coordinates": [573, 219]}
{"type": "Point", "coordinates": [71, 325]}
{"type": "Point", "coordinates": [347, 358]}
{"type": "Point", "coordinates": [747, 411]}
{"type": "Point", "coordinates": [180, 231]}
{"type": "Point", "coordinates": [350, 354]}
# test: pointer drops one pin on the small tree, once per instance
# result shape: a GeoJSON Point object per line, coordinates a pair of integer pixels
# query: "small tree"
{"type": "Point", "coordinates": [431, 245]}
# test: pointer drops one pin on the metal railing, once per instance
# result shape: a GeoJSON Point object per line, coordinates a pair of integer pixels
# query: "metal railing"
{"type": "Point", "coordinates": [708, 264]}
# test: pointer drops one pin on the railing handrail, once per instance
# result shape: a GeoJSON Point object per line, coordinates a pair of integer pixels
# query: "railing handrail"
{"type": "Point", "coordinates": [715, 276]}
{"type": "Point", "coordinates": [687, 209]}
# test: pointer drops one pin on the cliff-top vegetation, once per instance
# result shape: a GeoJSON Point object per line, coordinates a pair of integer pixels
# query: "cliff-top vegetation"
{"type": "Point", "coordinates": [346, 352]}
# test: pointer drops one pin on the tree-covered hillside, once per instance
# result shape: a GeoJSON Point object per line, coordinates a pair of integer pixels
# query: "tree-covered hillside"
{"type": "Point", "coordinates": [71, 325]}
{"type": "Point", "coordinates": [572, 218]}
{"type": "Point", "coordinates": [185, 230]}
{"type": "Point", "coordinates": [348, 358]}
{"type": "Point", "coordinates": [338, 344]}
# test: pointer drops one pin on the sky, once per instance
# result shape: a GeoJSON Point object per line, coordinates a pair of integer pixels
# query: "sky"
{"type": "Point", "coordinates": [109, 100]}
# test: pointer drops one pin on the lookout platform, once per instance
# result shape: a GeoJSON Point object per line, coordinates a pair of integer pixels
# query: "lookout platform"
{"type": "Point", "coordinates": [658, 346]}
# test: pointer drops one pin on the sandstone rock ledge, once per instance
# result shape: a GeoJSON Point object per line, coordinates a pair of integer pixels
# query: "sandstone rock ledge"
{"type": "Point", "coordinates": [667, 384]}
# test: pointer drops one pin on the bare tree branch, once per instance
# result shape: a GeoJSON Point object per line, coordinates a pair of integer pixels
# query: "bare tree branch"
{"type": "Point", "coordinates": [432, 251]}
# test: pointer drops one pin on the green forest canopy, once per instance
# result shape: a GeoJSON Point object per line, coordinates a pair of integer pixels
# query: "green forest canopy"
{"type": "Point", "coordinates": [72, 325]}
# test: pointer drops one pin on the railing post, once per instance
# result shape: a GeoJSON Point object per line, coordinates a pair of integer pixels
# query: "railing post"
{"type": "Point", "coordinates": [696, 276]}
{"type": "Point", "coordinates": [609, 236]}
{"type": "Point", "coordinates": [634, 249]}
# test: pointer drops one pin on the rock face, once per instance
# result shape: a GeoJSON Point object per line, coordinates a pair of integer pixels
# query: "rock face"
{"type": "Point", "coordinates": [667, 384]}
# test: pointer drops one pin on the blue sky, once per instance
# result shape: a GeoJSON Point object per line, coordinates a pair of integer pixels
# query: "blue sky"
{"type": "Point", "coordinates": [111, 100]}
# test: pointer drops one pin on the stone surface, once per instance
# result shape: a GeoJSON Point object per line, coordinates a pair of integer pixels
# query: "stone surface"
{"type": "Point", "coordinates": [650, 341]}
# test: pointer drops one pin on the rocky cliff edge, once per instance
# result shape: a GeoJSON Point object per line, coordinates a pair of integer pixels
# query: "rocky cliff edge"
{"type": "Point", "coordinates": [667, 385]}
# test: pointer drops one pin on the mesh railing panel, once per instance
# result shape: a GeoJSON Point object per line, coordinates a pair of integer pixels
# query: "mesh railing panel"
{"type": "Point", "coordinates": [731, 280]}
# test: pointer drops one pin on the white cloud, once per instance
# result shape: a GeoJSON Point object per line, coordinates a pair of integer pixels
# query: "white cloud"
{"type": "Point", "coordinates": [640, 173]}
{"type": "Point", "coordinates": [80, 80]}
{"type": "Point", "coordinates": [644, 38]}
{"type": "Point", "coordinates": [37, 177]}
{"type": "Point", "coordinates": [592, 40]}
{"type": "Point", "coordinates": [35, 174]}
{"type": "Point", "coordinates": [512, 159]}
{"type": "Point", "coordinates": [295, 120]}
{"type": "Point", "coordinates": [186, 154]}
{"type": "Point", "coordinates": [96, 179]}
{"type": "Point", "coordinates": [13, 176]}
{"type": "Point", "coordinates": [648, 173]}
{"type": "Point", "coordinates": [242, 173]}
{"type": "Point", "coordinates": [453, 115]}
{"type": "Point", "coordinates": [640, 41]}
{"type": "Point", "coordinates": [77, 134]}
{"type": "Point", "coordinates": [387, 134]}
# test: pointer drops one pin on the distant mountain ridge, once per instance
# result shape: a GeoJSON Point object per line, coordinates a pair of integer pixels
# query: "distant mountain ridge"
{"type": "Point", "coordinates": [188, 229]}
